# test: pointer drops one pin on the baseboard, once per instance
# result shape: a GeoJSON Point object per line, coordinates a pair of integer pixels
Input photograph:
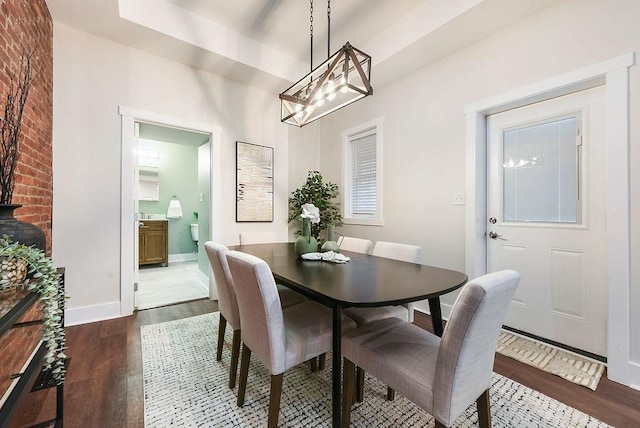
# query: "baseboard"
{"type": "Point", "coordinates": [186, 257]}
{"type": "Point", "coordinates": [203, 280]}
{"type": "Point", "coordinates": [87, 314]}
{"type": "Point", "coordinates": [634, 375]}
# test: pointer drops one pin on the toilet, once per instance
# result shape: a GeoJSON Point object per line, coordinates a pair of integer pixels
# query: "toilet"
{"type": "Point", "coordinates": [194, 232]}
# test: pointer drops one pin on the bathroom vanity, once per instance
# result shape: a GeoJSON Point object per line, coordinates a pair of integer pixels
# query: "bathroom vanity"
{"type": "Point", "coordinates": [153, 240]}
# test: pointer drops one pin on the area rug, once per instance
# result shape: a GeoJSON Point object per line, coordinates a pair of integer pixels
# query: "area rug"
{"type": "Point", "coordinates": [184, 386]}
{"type": "Point", "coordinates": [569, 366]}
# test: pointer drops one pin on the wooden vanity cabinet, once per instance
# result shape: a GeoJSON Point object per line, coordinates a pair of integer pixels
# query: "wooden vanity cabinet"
{"type": "Point", "coordinates": [153, 240]}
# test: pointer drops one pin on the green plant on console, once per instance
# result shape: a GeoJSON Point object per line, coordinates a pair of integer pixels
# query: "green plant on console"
{"type": "Point", "coordinates": [319, 193]}
{"type": "Point", "coordinates": [43, 279]}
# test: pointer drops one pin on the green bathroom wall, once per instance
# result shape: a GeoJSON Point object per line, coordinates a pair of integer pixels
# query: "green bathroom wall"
{"type": "Point", "coordinates": [177, 176]}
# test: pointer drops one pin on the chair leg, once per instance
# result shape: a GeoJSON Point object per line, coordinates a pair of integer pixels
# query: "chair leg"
{"type": "Point", "coordinates": [221, 327]}
{"type": "Point", "coordinates": [391, 394]}
{"type": "Point", "coordinates": [348, 381]}
{"type": "Point", "coordinates": [322, 358]}
{"type": "Point", "coordinates": [235, 352]}
{"type": "Point", "coordinates": [359, 385]}
{"type": "Point", "coordinates": [439, 424]}
{"type": "Point", "coordinates": [484, 410]}
{"type": "Point", "coordinates": [313, 365]}
{"type": "Point", "coordinates": [274, 400]}
{"type": "Point", "coordinates": [244, 372]}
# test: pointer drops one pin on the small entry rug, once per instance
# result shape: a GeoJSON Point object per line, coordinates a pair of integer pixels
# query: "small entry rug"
{"type": "Point", "coordinates": [567, 365]}
{"type": "Point", "coordinates": [184, 386]}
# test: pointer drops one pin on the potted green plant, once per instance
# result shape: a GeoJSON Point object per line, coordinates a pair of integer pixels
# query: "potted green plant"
{"type": "Point", "coordinates": [23, 266]}
{"type": "Point", "coordinates": [320, 193]}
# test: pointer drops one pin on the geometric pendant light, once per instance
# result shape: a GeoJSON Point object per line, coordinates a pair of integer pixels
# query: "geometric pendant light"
{"type": "Point", "coordinates": [341, 80]}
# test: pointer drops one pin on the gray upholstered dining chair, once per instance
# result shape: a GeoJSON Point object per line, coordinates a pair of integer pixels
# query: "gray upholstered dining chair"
{"type": "Point", "coordinates": [228, 304]}
{"type": "Point", "coordinates": [441, 375]}
{"type": "Point", "coordinates": [280, 338]}
{"type": "Point", "coordinates": [288, 297]}
{"type": "Point", "coordinates": [362, 316]}
{"type": "Point", "coordinates": [356, 245]}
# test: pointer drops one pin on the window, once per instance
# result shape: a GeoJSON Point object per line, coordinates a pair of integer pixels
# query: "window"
{"type": "Point", "coordinates": [542, 171]}
{"type": "Point", "coordinates": [362, 174]}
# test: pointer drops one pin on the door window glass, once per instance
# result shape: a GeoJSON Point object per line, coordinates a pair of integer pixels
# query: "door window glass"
{"type": "Point", "coordinates": [541, 167]}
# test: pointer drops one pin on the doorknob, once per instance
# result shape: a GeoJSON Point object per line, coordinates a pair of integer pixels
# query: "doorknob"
{"type": "Point", "coordinates": [494, 235]}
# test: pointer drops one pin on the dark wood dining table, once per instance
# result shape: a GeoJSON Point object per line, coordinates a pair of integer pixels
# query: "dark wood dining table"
{"type": "Point", "coordinates": [364, 281]}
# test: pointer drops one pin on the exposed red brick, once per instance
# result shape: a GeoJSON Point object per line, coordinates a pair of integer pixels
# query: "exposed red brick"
{"type": "Point", "coordinates": [27, 26]}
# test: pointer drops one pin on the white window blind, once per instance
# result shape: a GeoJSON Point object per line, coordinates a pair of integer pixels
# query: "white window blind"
{"type": "Point", "coordinates": [364, 175]}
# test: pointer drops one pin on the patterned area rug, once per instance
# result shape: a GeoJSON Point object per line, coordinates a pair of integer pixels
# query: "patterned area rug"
{"type": "Point", "coordinates": [569, 366]}
{"type": "Point", "coordinates": [184, 386]}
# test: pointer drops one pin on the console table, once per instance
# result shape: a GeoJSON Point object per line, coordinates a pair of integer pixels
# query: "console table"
{"type": "Point", "coordinates": [23, 351]}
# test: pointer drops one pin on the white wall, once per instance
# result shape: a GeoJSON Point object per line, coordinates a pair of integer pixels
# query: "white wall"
{"type": "Point", "coordinates": [424, 137]}
{"type": "Point", "coordinates": [92, 78]}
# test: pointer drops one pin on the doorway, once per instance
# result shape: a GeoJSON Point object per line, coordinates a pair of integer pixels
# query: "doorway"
{"type": "Point", "coordinates": [171, 175]}
{"type": "Point", "coordinates": [546, 199]}
{"type": "Point", "coordinates": [613, 74]}
{"type": "Point", "coordinates": [130, 214]}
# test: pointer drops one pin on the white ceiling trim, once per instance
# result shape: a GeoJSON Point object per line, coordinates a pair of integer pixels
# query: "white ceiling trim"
{"type": "Point", "coordinates": [200, 32]}
{"type": "Point", "coordinates": [424, 20]}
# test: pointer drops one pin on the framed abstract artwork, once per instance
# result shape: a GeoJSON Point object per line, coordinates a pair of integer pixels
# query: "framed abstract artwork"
{"type": "Point", "coordinates": [254, 183]}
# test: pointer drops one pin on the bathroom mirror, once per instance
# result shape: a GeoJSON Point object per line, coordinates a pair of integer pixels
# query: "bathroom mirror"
{"type": "Point", "coordinates": [148, 187]}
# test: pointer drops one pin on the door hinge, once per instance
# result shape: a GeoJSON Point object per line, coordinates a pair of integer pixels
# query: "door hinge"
{"type": "Point", "coordinates": [135, 286]}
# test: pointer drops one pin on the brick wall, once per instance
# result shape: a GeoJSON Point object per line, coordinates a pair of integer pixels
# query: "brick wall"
{"type": "Point", "coordinates": [26, 26]}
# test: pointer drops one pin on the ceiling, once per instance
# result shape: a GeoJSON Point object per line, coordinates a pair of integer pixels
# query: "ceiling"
{"type": "Point", "coordinates": [266, 43]}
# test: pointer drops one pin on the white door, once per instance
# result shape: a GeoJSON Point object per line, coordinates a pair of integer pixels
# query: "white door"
{"type": "Point", "coordinates": [546, 216]}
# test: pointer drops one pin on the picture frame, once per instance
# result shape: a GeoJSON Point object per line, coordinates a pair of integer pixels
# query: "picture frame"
{"type": "Point", "coordinates": [254, 183]}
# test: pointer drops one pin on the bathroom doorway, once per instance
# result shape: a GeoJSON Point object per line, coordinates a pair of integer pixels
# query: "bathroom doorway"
{"type": "Point", "coordinates": [173, 169]}
{"type": "Point", "coordinates": [186, 260]}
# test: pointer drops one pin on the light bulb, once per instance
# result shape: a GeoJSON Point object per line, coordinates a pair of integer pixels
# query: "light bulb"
{"type": "Point", "coordinates": [319, 98]}
{"type": "Point", "coordinates": [343, 83]}
{"type": "Point", "coordinates": [331, 90]}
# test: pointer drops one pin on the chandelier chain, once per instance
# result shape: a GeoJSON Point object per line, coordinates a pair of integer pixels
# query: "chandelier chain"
{"type": "Point", "coordinates": [311, 29]}
{"type": "Point", "coordinates": [328, 28]}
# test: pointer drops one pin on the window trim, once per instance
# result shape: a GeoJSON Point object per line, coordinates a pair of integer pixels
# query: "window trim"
{"type": "Point", "coordinates": [376, 125]}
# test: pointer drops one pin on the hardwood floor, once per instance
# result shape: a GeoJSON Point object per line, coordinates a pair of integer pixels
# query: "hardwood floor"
{"type": "Point", "coordinates": [104, 383]}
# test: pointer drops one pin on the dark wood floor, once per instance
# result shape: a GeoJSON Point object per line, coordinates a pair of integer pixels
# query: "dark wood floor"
{"type": "Point", "coordinates": [104, 383]}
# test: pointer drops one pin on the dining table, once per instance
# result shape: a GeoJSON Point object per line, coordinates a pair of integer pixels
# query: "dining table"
{"type": "Point", "coordinates": [363, 281]}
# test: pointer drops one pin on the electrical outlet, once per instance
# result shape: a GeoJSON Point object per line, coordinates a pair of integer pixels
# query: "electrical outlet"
{"type": "Point", "coordinates": [459, 199]}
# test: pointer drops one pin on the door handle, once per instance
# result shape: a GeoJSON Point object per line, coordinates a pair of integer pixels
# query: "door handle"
{"type": "Point", "coordinates": [494, 235]}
